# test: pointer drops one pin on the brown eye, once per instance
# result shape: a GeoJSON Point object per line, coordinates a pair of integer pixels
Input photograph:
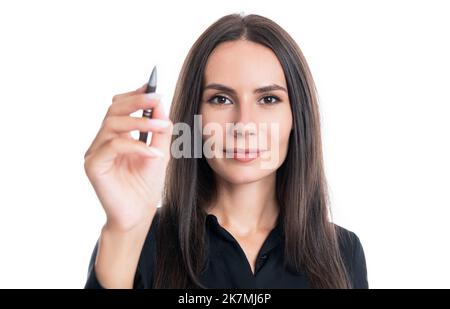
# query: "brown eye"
{"type": "Point", "coordinates": [270, 100]}
{"type": "Point", "coordinates": [221, 100]}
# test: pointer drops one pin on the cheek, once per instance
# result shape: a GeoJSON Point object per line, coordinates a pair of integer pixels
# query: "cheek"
{"type": "Point", "coordinates": [212, 118]}
{"type": "Point", "coordinates": [213, 129]}
{"type": "Point", "coordinates": [213, 137]}
{"type": "Point", "coordinates": [209, 120]}
{"type": "Point", "coordinates": [282, 119]}
{"type": "Point", "coordinates": [285, 132]}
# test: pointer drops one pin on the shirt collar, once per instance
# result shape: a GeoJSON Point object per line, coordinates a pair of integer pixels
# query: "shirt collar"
{"type": "Point", "coordinates": [273, 239]}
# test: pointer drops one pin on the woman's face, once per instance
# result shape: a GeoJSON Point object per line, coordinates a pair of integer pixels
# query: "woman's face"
{"type": "Point", "coordinates": [245, 110]}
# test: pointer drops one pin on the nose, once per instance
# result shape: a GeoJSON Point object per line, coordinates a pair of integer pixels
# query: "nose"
{"type": "Point", "coordinates": [244, 121]}
{"type": "Point", "coordinates": [243, 130]}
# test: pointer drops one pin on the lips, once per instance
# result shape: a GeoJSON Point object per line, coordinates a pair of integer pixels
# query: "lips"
{"type": "Point", "coordinates": [236, 150]}
{"type": "Point", "coordinates": [243, 155]}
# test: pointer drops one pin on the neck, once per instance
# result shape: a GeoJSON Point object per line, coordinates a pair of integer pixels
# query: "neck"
{"type": "Point", "coordinates": [246, 208]}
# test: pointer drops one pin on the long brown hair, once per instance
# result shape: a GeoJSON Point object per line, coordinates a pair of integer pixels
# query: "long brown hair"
{"type": "Point", "coordinates": [310, 239]}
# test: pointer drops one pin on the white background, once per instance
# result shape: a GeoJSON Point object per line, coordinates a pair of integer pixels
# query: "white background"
{"type": "Point", "coordinates": [382, 72]}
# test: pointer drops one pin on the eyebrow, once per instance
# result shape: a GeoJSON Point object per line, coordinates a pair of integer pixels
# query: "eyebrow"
{"type": "Point", "coordinates": [224, 88]}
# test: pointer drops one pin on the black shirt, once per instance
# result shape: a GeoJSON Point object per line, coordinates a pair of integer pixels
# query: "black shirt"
{"type": "Point", "coordinates": [228, 266]}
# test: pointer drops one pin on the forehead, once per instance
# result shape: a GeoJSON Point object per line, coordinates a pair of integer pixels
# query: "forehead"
{"type": "Point", "coordinates": [243, 63]}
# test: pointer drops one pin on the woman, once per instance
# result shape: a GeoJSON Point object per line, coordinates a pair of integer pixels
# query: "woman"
{"type": "Point", "coordinates": [226, 221]}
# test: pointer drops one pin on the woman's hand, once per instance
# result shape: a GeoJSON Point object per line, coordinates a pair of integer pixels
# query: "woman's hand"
{"type": "Point", "coordinates": [127, 175]}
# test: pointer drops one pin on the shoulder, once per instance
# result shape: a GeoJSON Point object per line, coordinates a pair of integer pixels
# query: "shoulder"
{"type": "Point", "coordinates": [352, 253]}
{"type": "Point", "coordinates": [347, 239]}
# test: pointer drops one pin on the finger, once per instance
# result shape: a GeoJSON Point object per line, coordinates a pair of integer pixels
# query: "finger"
{"type": "Point", "coordinates": [121, 126]}
{"type": "Point", "coordinates": [132, 103]}
{"type": "Point", "coordinates": [125, 124]}
{"type": "Point", "coordinates": [162, 140]}
{"type": "Point", "coordinates": [158, 112]}
{"type": "Point", "coordinates": [122, 146]}
{"type": "Point", "coordinates": [120, 96]}
{"type": "Point", "coordinates": [125, 106]}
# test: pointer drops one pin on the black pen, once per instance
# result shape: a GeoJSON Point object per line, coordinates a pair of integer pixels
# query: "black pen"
{"type": "Point", "coordinates": [151, 87]}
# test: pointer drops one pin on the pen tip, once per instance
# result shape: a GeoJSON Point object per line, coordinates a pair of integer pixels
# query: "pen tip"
{"type": "Point", "coordinates": [152, 79]}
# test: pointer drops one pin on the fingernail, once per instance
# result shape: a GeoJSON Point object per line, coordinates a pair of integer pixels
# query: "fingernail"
{"type": "Point", "coordinates": [160, 123]}
{"type": "Point", "coordinates": [156, 152]}
{"type": "Point", "coordinates": [153, 96]}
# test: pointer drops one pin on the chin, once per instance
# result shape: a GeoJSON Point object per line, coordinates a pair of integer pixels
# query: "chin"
{"type": "Point", "coordinates": [239, 174]}
{"type": "Point", "coordinates": [242, 179]}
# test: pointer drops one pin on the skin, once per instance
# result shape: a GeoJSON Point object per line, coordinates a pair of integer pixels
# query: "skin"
{"type": "Point", "coordinates": [246, 205]}
{"type": "Point", "coordinates": [128, 176]}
